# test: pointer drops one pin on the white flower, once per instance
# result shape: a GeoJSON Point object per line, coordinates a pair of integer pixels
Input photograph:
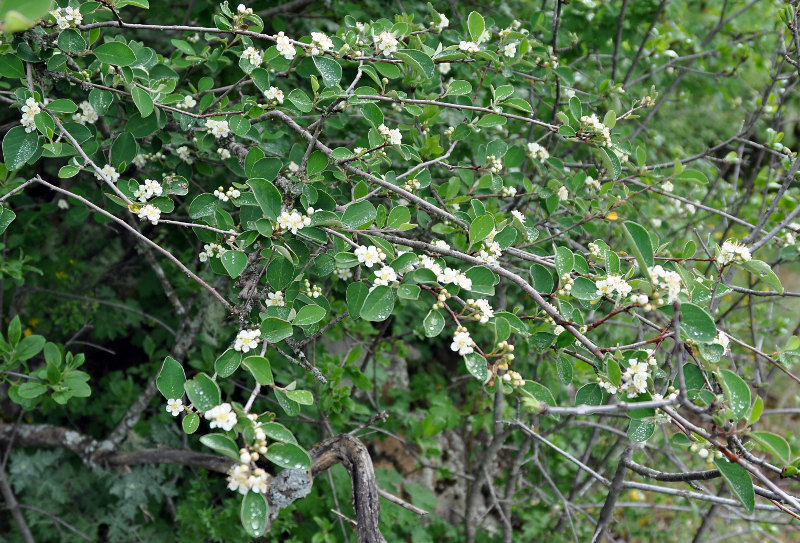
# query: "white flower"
{"type": "Point", "coordinates": [210, 250]}
{"type": "Point", "coordinates": [595, 250]}
{"type": "Point", "coordinates": [221, 416]}
{"type": "Point", "coordinates": [510, 50]}
{"type": "Point", "coordinates": [441, 244]}
{"type": "Point", "coordinates": [247, 340]}
{"type": "Point", "coordinates": [462, 342]}
{"type": "Point", "coordinates": [188, 102]}
{"type": "Point", "coordinates": [592, 183]}
{"type": "Point", "coordinates": [292, 221]}
{"type": "Point", "coordinates": [258, 482]}
{"type": "Point", "coordinates": [667, 186]}
{"type": "Point", "coordinates": [140, 160]}
{"type": "Point", "coordinates": [184, 154]}
{"type": "Point", "coordinates": [508, 191]}
{"type": "Point", "coordinates": [107, 172]}
{"type": "Point", "coordinates": [386, 43]}
{"type": "Point", "coordinates": [66, 17]}
{"type": "Point", "coordinates": [732, 251]}
{"type": "Point", "coordinates": [87, 114]}
{"type": "Point", "coordinates": [29, 112]}
{"type": "Point", "coordinates": [385, 275]}
{"type": "Point", "coordinates": [253, 55]}
{"type": "Point", "coordinates": [722, 339]}
{"type": "Point", "coordinates": [238, 478]}
{"type": "Point", "coordinates": [468, 46]}
{"type": "Point", "coordinates": [591, 124]}
{"type": "Point", "coordinates": [219, 129]}
{"type": "Point", "coordinates": [443, 23]}
{"type": "Point", "coordinates": [223, 153]}
{"type": "Point", "coordinates": [538, 152]}
{"type": "Point", "coordinates": [634, 380]}
{"type": "Point", "coordinates": [285, 47]}
{"type": "Point", "coordinates": [148, 190]}
{"type": "Point", "coordinates": [320, 42]}
{"type": "Point", "coordinates": [670, 280]}
{"type": "Point", "coordinates": [343, 273]}
{"type": "Point", "coordinates": [274, 94]}
{"type": "Point", "coordinates": [244, 10]}
{"type": "Point", "coordinates": [444, 68]}
{"type": "Point", "coordinates": [369, 256]}
{"type": "Point", "coordinates": [393, 135]}
{"type": "Point", "coordinates": [62, 204]}
{"type": "Point", "coordinates": [519, 216]}
{"type": "Point", "coordinates": [611, 284]}
{"type": "Point", "coordinates": [174, 406]}
{"type": "Point", "coordinates": [563, 193]}
{"type": "Point", "coordinates": [149, 212]}
{"type": "Point", "coordinates": [485, 311]}
{"type": "Point", "coordinates": [275, 299]}
{"type": "Point", "coordinates": [293, 167]}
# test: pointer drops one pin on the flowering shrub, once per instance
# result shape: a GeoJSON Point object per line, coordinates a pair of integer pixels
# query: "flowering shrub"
{"type": "Point", "coordinates": [512, 243]}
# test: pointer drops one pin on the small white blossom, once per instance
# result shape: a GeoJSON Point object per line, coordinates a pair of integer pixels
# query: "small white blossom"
{"type": "Point", "coordinates": [284, 45]}
{"type": "Point", "coordinates": [393, 135]}
{"type": "Point", "coordinates": [184, 154]}
{"type": "Point", "coordinates": [292, 221]}
{"type": "Point", "coordinates": [732, 251]}
{"type": "Point", "coordinates": [149, 189]}
{"type": "Point", "coordinates": [538, 152]}
{"type": "Point", "coordinates": [468, 46]}
{"type": "Point", "coordinates": [510, 50]}
{"type": "Point", "coordinates": [108, 172]}
{"type": "Point", "coordinates": [149, 212]}
{"type": "Point", "coordinates": [29, 112]}
{"type": "Point", "coordinates": [274, 94]}
{"type": "Point", "coordinates": [275, 299]}
{"type": "Point", "coordinates": [219, 129]}
{"type": "Point", "coordinates": [247, 340]}
{"type": "Point", "coordinates": [563, 193]}
{"type": "Point", "coordinates": [67, 17]}
{"type": "Point", "coordinates": [386, 43]}
{"type": "Point", "coordinates": [444, 68]}
{"type": "Point", "coordinates": [443, 23]}
{"type": "Point", "coordinates": [519, 216]}
{"type": "Point", "coordinates": [87, 114]}
{"type": "Point", "coordinates": [223, 153]}
{"type": "Point", "coordinates": [613, 283]}
{"type": "Point", "coordinates": [62, 204]}
{"type": "Point", "coordinates": [462, 342]}
{"type": "Point", "coordinates": [369, 256]}
{"type": "Point", "coordinates": [221, 416]}
{"type": "Point", "coordinates": [175, 406]}
{"type": "Point", "coordinates": [238, 478]}
{"type": "Point", "coordinates": [320, 43]}
{"type": "Point", "coordinates": [385, 275]}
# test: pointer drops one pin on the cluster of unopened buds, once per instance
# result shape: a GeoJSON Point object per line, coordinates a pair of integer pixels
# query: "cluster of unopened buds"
{"type": "Point", "coordinates": [140, 160]}
{"type": "Point", "coordinates": [483, 309]}
{"type": "Point", "coordinates": [595, 250]}
{"type": "Point", "coordinates": [505, 354]}
{"type": "Point", "coordinates": [411, 185]}
{"type": "Point", "coordinates": [566, 281]}
{"type": "Point", "coordinates": [494, 164]}
{"type": "Point", "coordinates": [247, 340]}
{"type": "Point", "coordinates": [312, 291]}
{"type": "Point", "coordinates": [706, 453]}
{"type": "Point", "coordinates": [225, 195]}
{"type": "Point", "coordinates": [508, 191]}
{"type": "Point", "coordinates": [549, 61]}
{"type": "Point", "coordinates": [449, 131]}
{"type": "Point", "coordinates": [513, 378]}
{"type": "Point", "coordinates": [210, 250]}
{"type": "Point", "coordinates": [441, 299]}
{"type": "Point", "coordinates": [648, 101]}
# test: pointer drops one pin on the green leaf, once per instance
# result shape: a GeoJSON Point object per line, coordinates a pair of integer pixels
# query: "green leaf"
{"type": "Point", "coordinates": [540, 392]}
{"type": "Point", "coordinates": [203, 392]}
{"type": "Point", "coordinates": [433, 324]}
{"type": "Point", "coordinates": [6, 217]}
{"type": "Point", "coordinates": [278, 432]}
{"type": "Point", "coordinates": [736, 391]}
{"type": "Point", "coordinates": [171, 379]}
{"type": "Point", "coordinates": [476, 25]}
{"type": "Point", "coordinates": [300, 100]}
{"type": "Point", "coordinates": [641, 245]}
{"type": "Point", "coordinates": [542, 279]}
{"type": "Point", "coordinates": [480, 228]}
{"type": "Point", "coordinates": [613, 372]}
{"type": "Point", "coordinates": [696, 323]}
{"type": "Point", "coordinates": [398, 216]}
{"type": "Point", "coordinates": [11, 66]}
{"type": "Point", "coordinates": [260, 368]}
{"type": "Point", "coordinates": [330, 70]}
{"type": "Point", "coordinates": [309, 314]}
{"type": "Point", "coordinates": [417, 61]}
{"type": "Point", "coordinates": [267, 196]}
{"type": "Point", "coordinates": [191, 423]}
{"type": "Point", "coordinates": [739, 482]}
{"type": "Point", "coordinates": [640, 431]}
{"type": "Point", "coordinates": [18, 147]}
{"type": "Point", "coordinates": [203, 205]}
{"type": "Point", "coordinates": [356, 295]}
{"type": "Point", "coordinates": [408, 292]}
{"type": "Point", "coordinates": [584, 289]}
{"type": "Point", "coordinates": [590, 394]}
{"type": "Point", "coordinates": [143, 101]}
{"type": "Point", "coordinates": [280, 272]}
{"type": "Point", "coordinates": [71, 41]}
{"type": "Point", "coordinates": [564, 260]}
{"type": "Point", "coordinates": [611, 161]}
{"type": "Point", "coordinates": [575, 108]}
{"type": "Point", "coordinates": [359, 214]}
{"type": "Point", "coordinates": [761, 269]}
{"type": "Point", "coordinates": [116, 53]}
{"type": "Point", "coordinates": [29, 347]}
{"type": "Point", "coordinates": [316, 162]}
{"type": "Point", "coordinates": [458, 87]}
{"type": "Point", "coordinates": [564, 368]}
{"type": "Point", "coordinates": [378, 304]}
{"type": "Point", "coordinates": [755, 412]}
{"type": "Point", "coordinates": [14, 331]}
{"type": "Point", "coordinates": [275, 330]}
{"type": "Point", "coordinates": [303, 397]}
{"type": "Point", "coordinates": [288, 455]}
{"type": "Point", "coordinates": [221, 444]}
{"type": "Point", "coordinates": [254, 514]}
{"type": "Point", "coordinates": [227, 363]}
{"type": "Point", "coordinates": [123, 150]}
{"type": "Point", "coordinates": [774, 444]}
{"type": "Point", "coordinates": [31, 389]}
{"type": "Point", "coordinates": [234, 262]}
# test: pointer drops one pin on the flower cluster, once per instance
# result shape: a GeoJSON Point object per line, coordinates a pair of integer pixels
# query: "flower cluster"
{"type": "Point", "coordinates": [107, 172]}
{"type": "Point", "coordinates": [592, 183]}
{"type": "Point", "coordinates": [219, 129]}
{"type": "Point", "coordinates": [210, 250]}
{"type": "Point", "coordinates": [462, 342]}
{"type": "Point", "coordinates": [29, 112]}
{"type": "Point", "coordinates": [292, 221]}
{"type": "Point", "coordinates": [313, 291]}
{"type": "Point", "coordinates": [508, 191]}
{"type": "Point", "coordinates": [513, 378]}
{"type": "Point", "coordinates": [222, 417]}
{"type": "Point", "coordinates": [87, 114]}
{"type": "Point", "coordinates": [670, 280]}
{"type": "Point", "coordinates": [175, 406]}
{"type": "Point", "coordinates": [369, 256]}
{"type": "Point", "coordinates": [393, 136]}
{"type": "Point", "coordinates": [274, 95]}
{"type": "Point", "coordinates": [494, 164]}
{"type": "Point", "coordinates": [705, 452]}
{"type": "Point", "coordinates": [149, 212]}
{"type": "Point", "coordinates": [148, 190]}
{"type": "Point", "coordinates": [470, 47]}
{"type": "Point", "coordinates": [284, 45]}
{"type": "Point", "coordinates": [538, 152]}
{"type": "Point", "coordinates": [483, 309]}
{"type": "Point", "coordinates": [566, 281]}
{"type": "Point", "coordinates": [244, 10]}
{"type": "Point", "coordinates": [188, 102]}
{"type": "Point", "coordinates": [447, 275]}
{"type": "Point", "coordinates": [247, 340]}
{"type": "Point", "coordinates": [253, 56]}
{"type": "Point", "coordinates": [563, 193]}
{"type": "Point", "coordinates": [491, 252]}
{"type": "Point", "coordinates": [386, 43]}
{"type": "Point", "coordinates": [518, 215]}
{"type": "Point", "coordinates": [343, 273]}
{"type": "Point", "coordinates": [790, 238]}
{"type": "Point", "coordinates": [226, 195]}
{"type": "Point", "coordinates": [613, 283]}
{"type": "Point", "coordinates": [634, 380]}
{"type": "Point", "coordinates": [732, 251]}
{"type": "Point", "coordinates": [275, 299]}
{"type": "Point", "coordinates": [223, 153]}
{"type": "Point", "coordinates": [595, 250]}
{"type": "Point", "coordinates": [140, 160]}
{"type": "Point", "coordinates": [385, 275]}
{"type": "Point", "coordinates": [320, 43]}
{"type": "Point", "coordinates": [67, 17]}
{"type": "Point", "coordinates": [411, 185]}
{"type": "Point", "coordinates": [185, 154]}
{"type": "Point", "coordinates": [592, 125]}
